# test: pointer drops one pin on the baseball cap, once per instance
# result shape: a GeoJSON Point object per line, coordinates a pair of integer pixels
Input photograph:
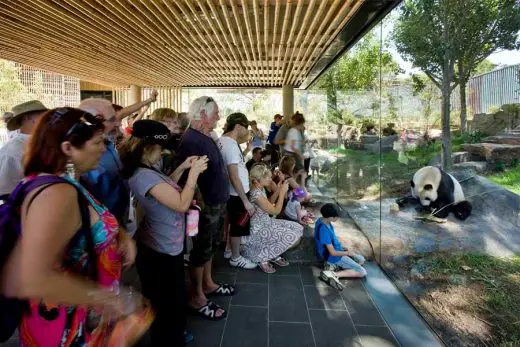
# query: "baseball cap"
{"type": "Point", "coordinates": [151, 131]}
{"type": "Point", "coordinates": [329, 211]}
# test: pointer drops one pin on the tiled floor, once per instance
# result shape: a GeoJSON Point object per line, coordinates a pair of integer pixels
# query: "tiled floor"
{"type": "Point", "coordinates": [292, 308]}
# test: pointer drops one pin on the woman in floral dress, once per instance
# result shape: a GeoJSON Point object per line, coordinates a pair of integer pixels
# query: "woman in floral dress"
{"type": "Point", "coordinates": [269, 238]}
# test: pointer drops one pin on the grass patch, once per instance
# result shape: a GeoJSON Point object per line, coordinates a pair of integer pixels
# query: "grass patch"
{"type": "Point", "coordinates": [509, 179]}
{"type": "Point", "coordinates": [491, 288]}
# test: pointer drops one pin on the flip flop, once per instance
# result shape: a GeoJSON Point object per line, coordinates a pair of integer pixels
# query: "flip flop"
{"type": "Point", "coordinates": [281, 262]}
{"type": "Point", "coordinates": [223, 290]}
{"type": "Point", "coordinates": [209, 311]}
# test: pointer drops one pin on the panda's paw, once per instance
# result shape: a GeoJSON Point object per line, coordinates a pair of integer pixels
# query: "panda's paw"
{"type": "Point", "coordinates": [423, 209]}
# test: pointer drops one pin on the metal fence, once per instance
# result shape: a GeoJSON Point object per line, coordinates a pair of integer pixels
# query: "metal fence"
{"type": "Point", "coordinates": [23, 83]}
{"type": "Point", "coordinates": [487, 92]}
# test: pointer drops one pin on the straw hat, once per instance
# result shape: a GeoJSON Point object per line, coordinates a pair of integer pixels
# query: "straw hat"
{"type": "Point", "coordinates": [21, 110]}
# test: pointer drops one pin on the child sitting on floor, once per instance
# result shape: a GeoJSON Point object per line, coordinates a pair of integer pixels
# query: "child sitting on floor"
{"type": "Point", "coordinates": [339, 261]}
{"type": "Point", "coordinates": [294, 210]}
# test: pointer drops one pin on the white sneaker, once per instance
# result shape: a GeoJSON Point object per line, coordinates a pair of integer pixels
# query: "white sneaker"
{"type": "Point", "coordinates": [331, 278]}
{"type": "Point", "coordinates": [227, 254]}
{"type": "Point", "coordinates": [243, 263]}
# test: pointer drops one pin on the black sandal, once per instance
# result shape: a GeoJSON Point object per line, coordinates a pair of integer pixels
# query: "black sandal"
{"type": "Point", "coordinates": [209, 311]}
{"type": "Point", "coordinates": [223, 290]}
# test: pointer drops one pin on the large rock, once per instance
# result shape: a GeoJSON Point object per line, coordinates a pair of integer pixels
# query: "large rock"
{"type": "Point", "coordinates": [369, 139]}
{"type": "Point", "coordinates": [507, 118]}
{"type": "Point", "coordinates": [492, 228]}
{"type": "Point", "coordinates": [493, 152]}
{"type": "Point", "coordinates": [477, 166]}
{"type": "Point", "coordinates": [503, 139]}
{"type": "Point", "coordinates": [386, 144]}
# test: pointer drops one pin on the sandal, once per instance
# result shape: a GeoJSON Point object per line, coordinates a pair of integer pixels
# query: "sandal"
{"type": "Point", "coordinates": [209, 311]}
{"type": "Point", "coordinates": [222, 290]}
{"type": "Point", "coordinates": [281, 262]}
{"type": "Point", "coordinates": [267, 268]}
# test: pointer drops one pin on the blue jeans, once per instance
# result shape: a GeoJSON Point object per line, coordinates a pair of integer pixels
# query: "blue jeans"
{"type": "Point", "coordinates": [351, 263]}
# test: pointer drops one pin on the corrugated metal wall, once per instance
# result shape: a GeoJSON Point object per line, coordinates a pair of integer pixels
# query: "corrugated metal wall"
{"type": "Point", "coordinates": [489, 91]}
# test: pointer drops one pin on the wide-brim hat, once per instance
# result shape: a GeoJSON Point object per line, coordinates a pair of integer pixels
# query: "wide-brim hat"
{"type": "Point", "coordinates": [23, 109]}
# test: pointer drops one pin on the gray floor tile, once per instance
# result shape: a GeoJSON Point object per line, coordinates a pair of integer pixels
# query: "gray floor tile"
{"type": "Point", "coordinates": [310, 274]}
{"type": "Point", "coordinates": [223, 277]}
{"type": "Point", "coordinates": [281, 283]}
{"type": "Point", "coordinates": [359, 305]}
{"type": "Point", "coordinates": [246, 326]}
{"type": "Point", "coordinates": [333, 328]}
{"type": "Point", "coordinates": [291, 270]}
{"type": "Point", "coordinates": [290, 335]}
{"type": "Point", "coordinates": [323, 297]}
{"type": "Point", "coordinates": [286, 300]}
{"type": "Point", "coordinates": [250, 295]}
{"type": "Point", "coordinates": [251, 276]}
{"type": "Point", "coordinates": [206, 333]}
{"type": "Point", "coordinates": [376, 336]}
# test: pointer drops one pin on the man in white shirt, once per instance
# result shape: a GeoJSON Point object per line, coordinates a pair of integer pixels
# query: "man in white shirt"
{"type": "Point", "coordinates": [238, 205]}
{"type": "Point", "coordinates": [24, 119]}
{"type": "Point", "coordinates": [6, 117]}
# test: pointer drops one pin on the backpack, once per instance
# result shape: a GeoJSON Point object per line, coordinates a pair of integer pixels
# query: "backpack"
{"type": "Point", "coordinates": [11, 309]}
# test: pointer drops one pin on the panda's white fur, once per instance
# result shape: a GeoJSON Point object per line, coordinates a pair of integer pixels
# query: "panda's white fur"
{"type": "Point", "coordinates": [441, 192]}
{"type": "Point", "coordinates": [432, 175]}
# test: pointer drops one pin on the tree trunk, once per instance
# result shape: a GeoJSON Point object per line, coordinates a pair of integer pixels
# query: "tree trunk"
{"type": "Point", "coordinates": [447, 77]}
{"type": "Point", "coordinates": [446, 161]}
{"type": "Point", "coordinates": [463, 105]}
{"type": "Point", "coordinates": [332, 110]}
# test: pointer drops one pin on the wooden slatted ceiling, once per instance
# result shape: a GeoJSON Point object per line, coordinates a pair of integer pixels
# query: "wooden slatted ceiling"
{"type": "Point", "coordinates": [242, 43]}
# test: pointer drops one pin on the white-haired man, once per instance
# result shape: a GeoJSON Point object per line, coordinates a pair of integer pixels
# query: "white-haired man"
{"type": "Point", "coordinates": [213, 185]}
{"type": "Point", "coordinates": [105, 182]}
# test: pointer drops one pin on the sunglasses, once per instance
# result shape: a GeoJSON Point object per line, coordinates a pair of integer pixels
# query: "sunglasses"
{"type": "Point", "coordinates": [81, 124]}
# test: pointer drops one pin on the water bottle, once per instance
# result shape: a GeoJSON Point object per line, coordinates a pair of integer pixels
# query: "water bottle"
{"type": "Point", "coordinates": [192, 220]}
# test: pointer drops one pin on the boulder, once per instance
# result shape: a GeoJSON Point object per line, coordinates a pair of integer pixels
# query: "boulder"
{"type": "Point", "coordinates": [369, 139]}
{"type": "Point", "coordinates": [503, 139]}
{"type": "Point", "coordinates": [386, 144]}
{"type": "Point", "coordinates": [493, 152]}
{"type": "Point", "coordinates": [477, 166]}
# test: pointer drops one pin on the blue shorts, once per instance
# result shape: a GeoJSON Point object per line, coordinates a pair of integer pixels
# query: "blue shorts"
{"type": "Point", "coordinates": [351, 263]}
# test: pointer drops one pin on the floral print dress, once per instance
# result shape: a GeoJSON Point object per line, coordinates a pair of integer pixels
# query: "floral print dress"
{"type": "Point", "coordinates": [269, 238]}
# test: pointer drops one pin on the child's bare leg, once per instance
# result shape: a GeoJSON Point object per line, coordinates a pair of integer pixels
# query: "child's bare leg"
{"type": "Point", "coordinates": [350, 274]}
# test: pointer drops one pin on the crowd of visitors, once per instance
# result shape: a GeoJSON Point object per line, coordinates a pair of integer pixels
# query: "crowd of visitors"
{"type": "Point", "coordinates": [108, 173]}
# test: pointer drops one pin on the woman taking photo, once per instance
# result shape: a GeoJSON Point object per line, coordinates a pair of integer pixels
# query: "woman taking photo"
{"type": "Point", "coordinates": [69, 256]}
{"type": "Point", "coordinates": [160, 262]}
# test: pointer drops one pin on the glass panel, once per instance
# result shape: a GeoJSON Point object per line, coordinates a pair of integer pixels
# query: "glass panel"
{"type": "Point", "coordinates": [459, 274]}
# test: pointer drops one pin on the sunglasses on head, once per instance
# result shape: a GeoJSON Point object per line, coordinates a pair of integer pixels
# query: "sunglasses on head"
{"type": "Point", "coordinates": [81, 124]}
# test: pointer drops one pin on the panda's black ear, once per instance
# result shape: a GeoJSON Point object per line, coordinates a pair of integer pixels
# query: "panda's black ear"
{"type": "Point", "coordinates": [428, 187]}
{"type": "Point", "coordinates": [412, 184]}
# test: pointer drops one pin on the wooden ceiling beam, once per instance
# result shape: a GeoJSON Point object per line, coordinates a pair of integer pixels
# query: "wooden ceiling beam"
{"type": "Point", "coordinates": [245, 43]}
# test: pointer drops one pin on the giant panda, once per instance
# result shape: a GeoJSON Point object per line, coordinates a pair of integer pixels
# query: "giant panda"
{"type": "Point", "coordinates": [435, 189]}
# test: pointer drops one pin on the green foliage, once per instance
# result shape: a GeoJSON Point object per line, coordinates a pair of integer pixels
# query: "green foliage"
{"type": "Point", "coordinates": [368, 125]}
{"type": "Point", "coordinates": [389, 129]}
{"type": "Point", "coordinates": [510, 179]}
{"type": "Point", "coordinates": [11, 88]}
{"type": "Point", "coordinates": [474, 137]}
{"type": "Point", "coordinates": [500, 167]}
{"type": "Point", "coordinates": [484, 66]}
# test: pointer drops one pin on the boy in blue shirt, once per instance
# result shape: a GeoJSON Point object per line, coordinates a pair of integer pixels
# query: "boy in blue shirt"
{"type": "Point", "coordinates": [339, 261]}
